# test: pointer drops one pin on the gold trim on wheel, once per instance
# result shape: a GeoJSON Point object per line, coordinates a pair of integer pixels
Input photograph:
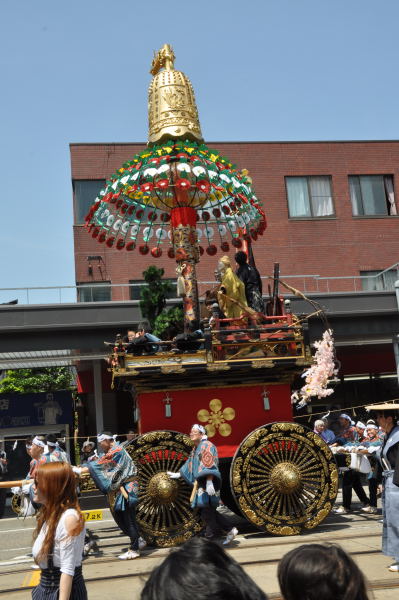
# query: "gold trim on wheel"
{"type": "Point", "coordinates": [284, 478]}
{"type": "Point", "coordinates": [164, 514]}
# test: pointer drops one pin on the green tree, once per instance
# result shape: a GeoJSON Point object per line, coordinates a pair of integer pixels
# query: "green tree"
{"type": "Point", "coordinates": [169, 323]}
{"type": "Point", "coordinates": [153, 295]}
{"type": "Point", "coordinates": [25, 381]}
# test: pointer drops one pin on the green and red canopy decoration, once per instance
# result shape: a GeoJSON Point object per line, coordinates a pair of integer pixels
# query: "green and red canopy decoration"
{"type": "Point", "coordinates": [177, 182]}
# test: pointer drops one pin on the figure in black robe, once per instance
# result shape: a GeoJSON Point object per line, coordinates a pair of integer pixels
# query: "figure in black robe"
{"type": "Point", "coordinates": [252, 281]}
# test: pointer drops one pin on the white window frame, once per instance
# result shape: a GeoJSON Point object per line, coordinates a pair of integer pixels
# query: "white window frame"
{"type": "Point", "coordinates": [311, 214]}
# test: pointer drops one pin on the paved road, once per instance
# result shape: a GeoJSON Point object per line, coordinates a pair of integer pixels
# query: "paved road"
{"type": "Point", "coordinates": [358, 533]}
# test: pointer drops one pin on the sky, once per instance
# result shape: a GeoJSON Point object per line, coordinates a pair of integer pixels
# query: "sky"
{"type": "Point", "coordinates": [78, 71]}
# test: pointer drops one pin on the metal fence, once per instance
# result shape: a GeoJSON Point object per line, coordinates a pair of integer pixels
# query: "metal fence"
{"type": "Point", "coordinates": [121, 292]}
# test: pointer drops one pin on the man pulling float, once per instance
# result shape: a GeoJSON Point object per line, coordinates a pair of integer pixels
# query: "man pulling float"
{"type": "Point", "coordinates": [201, 472]}
{"type": "Point", "coordinates": [115, 474]}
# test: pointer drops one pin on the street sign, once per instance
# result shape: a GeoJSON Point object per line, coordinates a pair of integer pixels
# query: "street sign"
{"type": "Point", "coordinates": [92, 515]}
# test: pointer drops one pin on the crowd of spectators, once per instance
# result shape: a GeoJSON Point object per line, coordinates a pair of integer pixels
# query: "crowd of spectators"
{"type": "Point", "coordinates": [361, 441]}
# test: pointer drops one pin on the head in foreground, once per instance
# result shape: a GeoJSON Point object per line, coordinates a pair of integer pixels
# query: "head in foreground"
{"type": "Point", "coordinates": [200, 569]}
{"type": "Point", "coordinates": [55, 490]}
{"type": "Point", "coordinates": [318, 571]}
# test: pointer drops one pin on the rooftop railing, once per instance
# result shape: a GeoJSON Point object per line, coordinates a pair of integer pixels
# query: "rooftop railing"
{"type": "Point", "coordinates": [104, 291]}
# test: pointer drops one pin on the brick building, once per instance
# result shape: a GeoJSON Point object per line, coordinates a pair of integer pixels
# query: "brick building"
{"type": "Point", "coordinates": [333, 225]}
{"type": "Point", "coordinates": [331, 211]}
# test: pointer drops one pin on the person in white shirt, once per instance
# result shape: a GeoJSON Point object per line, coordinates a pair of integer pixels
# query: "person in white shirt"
{"type": "Point", "coordinates": [59, 536]}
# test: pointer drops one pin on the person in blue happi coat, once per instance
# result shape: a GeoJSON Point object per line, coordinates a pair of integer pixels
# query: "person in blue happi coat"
{"type": "Point", "coordinates": [388, 456]}
{"type": "Point", "coordinates": [201, 472]}
{"type": "Point", "coordinates": [115, 471]}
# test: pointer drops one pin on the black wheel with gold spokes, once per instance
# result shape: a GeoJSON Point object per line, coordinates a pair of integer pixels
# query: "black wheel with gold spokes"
{"type": "Point", "coordinates": [284, 478]}
{"type": "Point", "coordinates": [164, 514]}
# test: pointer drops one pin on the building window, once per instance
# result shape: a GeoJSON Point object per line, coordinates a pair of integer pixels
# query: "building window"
{"type": "Point", "coordinates": [85, 192]}
{"type": "Point", "coordinates": [309, 196]}
{"type": "Point", "coordinates": [377, 281]}
{"type": "Point", "coordinates": [136, 289]}
{"type": "Point", "coordinates": [372, 195]}
{"type": "Point", "coordinates": [99, 291]}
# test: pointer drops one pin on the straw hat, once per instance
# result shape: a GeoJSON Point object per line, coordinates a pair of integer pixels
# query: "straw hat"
{"type": "Point", "coordinates": [394, 405]}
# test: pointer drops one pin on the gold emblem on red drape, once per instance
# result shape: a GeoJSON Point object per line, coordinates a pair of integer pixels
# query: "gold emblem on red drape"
{"type": "Point", "coordinates": [216, 418]}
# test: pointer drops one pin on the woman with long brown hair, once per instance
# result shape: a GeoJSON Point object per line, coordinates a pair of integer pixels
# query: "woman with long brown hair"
{"type": "Point", "coordinates": [59, 536]}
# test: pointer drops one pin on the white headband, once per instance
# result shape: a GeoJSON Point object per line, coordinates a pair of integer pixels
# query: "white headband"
{"type": "Point", "coordinates": [38, 442]}
{"type": "Point", "coordinates": [104, 436]}
{"type": "Point", "coordinates": [345, 416]}
{"type": "Point", "coordinates": [360, 425]}
{"type": "Point", "coordinates": [200, 428]}
{"type": "Point", "coordinates": [52, 444]}
{"type": "Point", "coordinates": [88, 443]}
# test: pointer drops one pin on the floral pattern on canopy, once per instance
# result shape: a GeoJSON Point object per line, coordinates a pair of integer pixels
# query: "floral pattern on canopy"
{"type": "Point", "coordinates": [168, 184]}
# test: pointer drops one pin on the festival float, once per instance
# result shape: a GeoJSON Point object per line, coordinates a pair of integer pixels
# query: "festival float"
{"type": "Point", "coordinates": [279, 474]}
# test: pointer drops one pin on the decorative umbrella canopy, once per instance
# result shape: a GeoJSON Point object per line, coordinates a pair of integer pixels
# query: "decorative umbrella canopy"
{"type": "Point", "coordinates": [177, 192]}
{"type": "Point", "coordinates": [176, 182]}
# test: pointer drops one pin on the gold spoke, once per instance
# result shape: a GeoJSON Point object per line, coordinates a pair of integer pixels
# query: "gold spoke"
{"type": "Point", "coordinates": [279, 474]}
{"type": "Point", "coordinates": [262, 472]}
{"type": "Point", "coordinates": [164, 510]}
{"type": "Point", "coordinates": [269, 459]}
